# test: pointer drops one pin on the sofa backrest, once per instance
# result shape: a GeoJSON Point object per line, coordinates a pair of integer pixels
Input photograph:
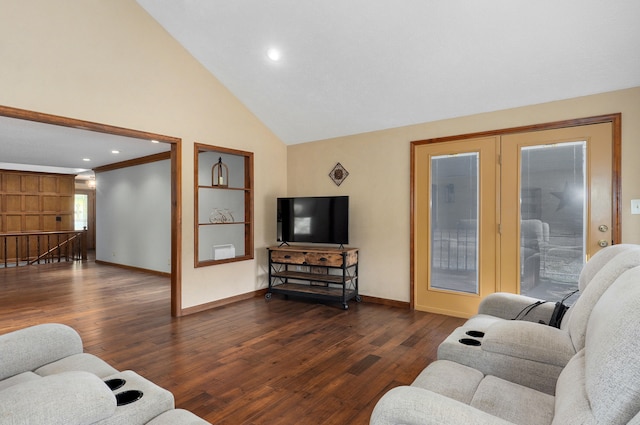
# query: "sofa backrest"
{"type": "Point", "coordinates": [592, 267]}
{"type": "Point", "coordinates": [30, 348]}
{"type": "Point", "coordinates": [612, 352]}
{"type": "Point", "coordinates": [598, 260]}
{"type": "Point", "coordinates": [576, 323]}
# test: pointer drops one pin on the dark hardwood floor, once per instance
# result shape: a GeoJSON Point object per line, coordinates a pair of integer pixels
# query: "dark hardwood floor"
{"type": "Point", "coordinates": [252, 362]}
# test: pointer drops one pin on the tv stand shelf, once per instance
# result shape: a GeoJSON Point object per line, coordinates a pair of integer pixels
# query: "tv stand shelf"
{"type": "Point", "coordinates": [323, 273]}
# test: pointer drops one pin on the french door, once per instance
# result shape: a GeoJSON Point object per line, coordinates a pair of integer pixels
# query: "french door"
{"type": "Point", "coordinates": [518, 212]}
{"type": "Point", "coordinates": [455, 224]}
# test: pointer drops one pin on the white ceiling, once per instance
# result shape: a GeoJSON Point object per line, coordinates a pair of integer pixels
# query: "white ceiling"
{"type": "Point", "coordinates": [33, 146]}
{"type": "Point", "coordinates": [353, 66]}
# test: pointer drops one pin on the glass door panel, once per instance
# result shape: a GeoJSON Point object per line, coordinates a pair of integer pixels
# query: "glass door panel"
{"type": "Point", "coordinates": [455, 225]}
{"type": "Point", "coordinates": [454, 221]}
{"type": "Point", "coordinates": [552, 218]}
{"type": "Point", "coordinates": [556, 207]}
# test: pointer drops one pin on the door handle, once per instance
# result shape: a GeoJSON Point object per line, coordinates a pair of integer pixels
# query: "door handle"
{"type": "Point", "coordinates": [603, 227]}
{"type": "Point", "coordinates": [603, 243]}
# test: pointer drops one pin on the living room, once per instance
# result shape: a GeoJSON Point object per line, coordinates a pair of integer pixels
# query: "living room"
{"type": "Point", "coordinates": [111, 63]}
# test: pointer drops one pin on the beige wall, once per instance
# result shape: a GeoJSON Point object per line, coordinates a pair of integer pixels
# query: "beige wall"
{"type": "Point", "coordinates": [109, 62]}
{"type": "Point", "coordinates": [378, 183]}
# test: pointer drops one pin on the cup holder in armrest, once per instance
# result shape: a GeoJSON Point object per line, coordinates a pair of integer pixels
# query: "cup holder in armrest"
{"type": "Point", "coordinates": [470, 341]}
{"type": "Point", "coordinates": [127, 397]}
{"type": "Point", "coordinates": [475, 334]}
{"type": "Point", "coordinates": [115, 383]}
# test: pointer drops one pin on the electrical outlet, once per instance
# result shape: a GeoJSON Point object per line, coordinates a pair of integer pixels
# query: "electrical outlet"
{"type": "Point", "coordinates": [635, 206]}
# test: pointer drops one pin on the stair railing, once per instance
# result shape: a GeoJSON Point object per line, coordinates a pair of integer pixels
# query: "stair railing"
{"type": "Point", "coordinates": [27, 248]}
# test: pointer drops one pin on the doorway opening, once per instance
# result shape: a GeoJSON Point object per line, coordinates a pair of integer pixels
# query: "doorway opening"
{"type": "Point", "coordinates": [176, 180]}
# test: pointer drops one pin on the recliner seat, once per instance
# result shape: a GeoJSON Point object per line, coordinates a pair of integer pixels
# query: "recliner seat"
{"type": "Point", "coordinates": [45, 377]}
{"type": "Point", "coordinates": [599, 384]}
{"type": "Point", "coordinates": [527, 352]}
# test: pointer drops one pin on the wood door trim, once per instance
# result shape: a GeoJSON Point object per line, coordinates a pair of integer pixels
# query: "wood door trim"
{"type": "Point", "coordinates": [24, 114]}
{"type": "Point", "coordinates": [615, 119]}
{"type": "Point", "coordinates": [162, 156]}
{"type": "Point", "coordinates": [176, 181]}
{"type": "Point", "coordinates": [576, 122]}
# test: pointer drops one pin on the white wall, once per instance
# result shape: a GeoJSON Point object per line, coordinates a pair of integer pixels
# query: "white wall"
{"type": "Point", "coordinates": [133, 216]}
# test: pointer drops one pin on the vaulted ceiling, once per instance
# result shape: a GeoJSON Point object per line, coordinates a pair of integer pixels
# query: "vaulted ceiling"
{"type": "Point", "coordinates": [354, 66]}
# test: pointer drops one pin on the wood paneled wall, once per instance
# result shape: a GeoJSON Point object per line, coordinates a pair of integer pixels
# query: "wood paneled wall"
{"type": "Point", "coordinates": [32, 201]}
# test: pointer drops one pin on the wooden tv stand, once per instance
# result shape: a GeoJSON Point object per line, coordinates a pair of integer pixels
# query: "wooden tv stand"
{"type": "Point", "coordinates": [323, 273]}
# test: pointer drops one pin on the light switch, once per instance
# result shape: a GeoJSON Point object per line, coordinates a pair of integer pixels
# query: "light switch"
{"type": "Point", "coordinates": [635, 206]}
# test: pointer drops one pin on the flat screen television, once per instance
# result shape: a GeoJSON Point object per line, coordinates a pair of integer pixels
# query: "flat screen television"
{"type": "Point", "coordinates": [314, 219]}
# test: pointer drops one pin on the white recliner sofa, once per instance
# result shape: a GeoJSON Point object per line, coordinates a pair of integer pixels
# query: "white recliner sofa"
{"type": "Point", "coordinates": [46, 378]}
{"type": "Point", "coordinates": [599, 385]}
{"type": "Point", "coordinates": [524, 351]}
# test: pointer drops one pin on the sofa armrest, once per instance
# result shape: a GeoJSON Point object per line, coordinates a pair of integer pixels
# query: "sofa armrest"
{"type": "Point", "coordinates": [70, 398]}
{"type": "Point", "coordinates": [508, 306]}
{"type": "Point", "coordinates": [29, 348]}
{"type": "Point", "coordinates": [417, 406]}
{"type": "Point", "coordinates": [530, 341]}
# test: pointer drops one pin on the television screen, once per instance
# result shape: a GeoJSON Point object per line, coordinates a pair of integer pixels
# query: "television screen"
{"type": "Point", "coordinates": [317, 219]}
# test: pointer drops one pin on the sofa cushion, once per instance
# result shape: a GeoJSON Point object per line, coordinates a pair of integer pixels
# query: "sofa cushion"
{"type": "Point", "coordinates": [481, 322]}
{"type": "Point", "coordinates": [592, 267]}
{"type": "Point", "coordinates": [487, 393]}
{"type": "Point", "coordinates": [499, 397]}
{"type": "Point", "coordinates": [17, 379]}
{"type": "Point", "coordinates": [71, 398]}
{"type": "Point", "coordinates": [23, 350]}
{"type": "Point", "coordinates": [612, 359]}
{"type": "Point", "coordinates": [83, 361]}
{"type": "Point", "coordinates": [527, 340]}
{"type": "Point", "coordinates": [572, 405]}
{"type": "Point", "coordinates": [450, 379]}
{"type": "Point", "coordinates": [416, 406]}
{"type": "Point", "coordinates": [506, 306]}
{"type": "Point", "coordinates": [576, 323]}
{"type": "Point", "coordinates": [598, 260]}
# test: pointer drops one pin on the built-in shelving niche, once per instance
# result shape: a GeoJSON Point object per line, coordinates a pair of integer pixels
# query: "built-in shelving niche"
{"type": "Point", "coordinates": [223, 208]}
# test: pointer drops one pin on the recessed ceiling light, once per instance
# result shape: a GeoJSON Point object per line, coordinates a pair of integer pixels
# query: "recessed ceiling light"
{"type": "Point", "coordinates": [274, 54]}
{"type": "Point", "coordinates": [115, 151]}
{"type": "Point", "coordinates": [86, 159]}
